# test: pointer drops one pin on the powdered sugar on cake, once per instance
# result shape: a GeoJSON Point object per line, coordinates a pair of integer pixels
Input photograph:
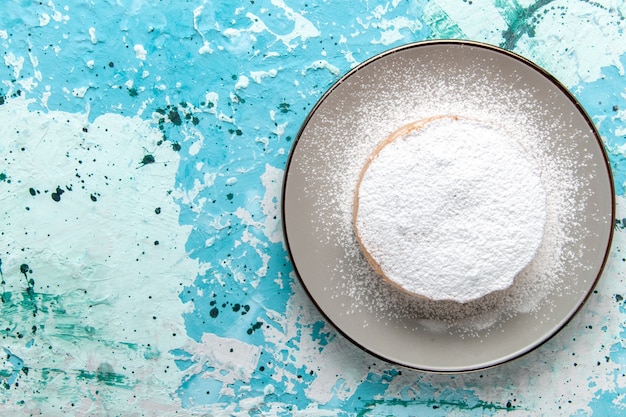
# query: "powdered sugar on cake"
{"type": "Point", "coordinates": [453, 186]}
{"type": "Point", "coordinates": [478, 95]}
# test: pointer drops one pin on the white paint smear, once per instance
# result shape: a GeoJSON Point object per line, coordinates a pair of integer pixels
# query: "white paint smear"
{"type": "Point", "coordinates": [111, 250]}
{"type": "Point", "coordinates": [140, 52]}
{"type": "Point", "coordinates": [92, 35]}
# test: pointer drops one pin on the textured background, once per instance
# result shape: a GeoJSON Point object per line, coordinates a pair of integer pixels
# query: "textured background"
{"type": "Point", "coordinates": [142, 263]}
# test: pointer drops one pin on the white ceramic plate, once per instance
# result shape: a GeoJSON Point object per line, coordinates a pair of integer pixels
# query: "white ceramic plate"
{"type": "Point", "coordinates": [422, 80]}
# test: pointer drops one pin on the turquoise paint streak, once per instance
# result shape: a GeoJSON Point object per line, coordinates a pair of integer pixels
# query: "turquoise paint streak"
{"type": "Point", "coordinates": [602, 99]}
{"type": "Point", "coordinates": [13, 366]}
{"type": "Point", "coordinates": [607, 403]}
{"type": "Point", "coordinates": [521, 21]}
{"type": "Point", "coordinates": [51, 327]}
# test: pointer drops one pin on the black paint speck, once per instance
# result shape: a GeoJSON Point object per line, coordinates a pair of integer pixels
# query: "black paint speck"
{"type": "Point", "coordinates": [30, 289]}
{"type": "Point", "coordinates": [147, 159]}
{"type": "Point", "coordinates": [254, 327]}
{"type": "Point", "coordinates": [32, 191]}
{"type": "Point", "coordinates": [284, 107]}
{"type": "Point", "coordinates": [176, 147]}
{"type": "Point", "coordinates": [157, 210]}
{"type": "Point", "coordinates": [174, 117]}
{"type": "Point", "coordinates": [111, 64]}
{"type": "Point", "coordinates": [93, 198]}
{"type": "Point", "coordinates": [56, 196]}
{"type": "Point", "coordinates": [214, 312]}
{"type": "Point", "coordinates": [246, 308]}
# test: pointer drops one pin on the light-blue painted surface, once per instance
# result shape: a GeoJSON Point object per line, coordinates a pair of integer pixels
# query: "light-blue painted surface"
{"type": "Point", "coordinates": [219, 91]}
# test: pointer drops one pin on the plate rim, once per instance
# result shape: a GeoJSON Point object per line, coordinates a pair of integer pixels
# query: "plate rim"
{"type": "Point", "coordinates": [567, 93]}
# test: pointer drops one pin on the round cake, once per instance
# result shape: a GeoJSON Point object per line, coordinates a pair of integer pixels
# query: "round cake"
{"type": "Point", "coordinates": [449, 208]}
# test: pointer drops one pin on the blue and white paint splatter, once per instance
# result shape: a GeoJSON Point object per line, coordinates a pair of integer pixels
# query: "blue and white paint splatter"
{"type": "Point", "coordinates": [143, 269]}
